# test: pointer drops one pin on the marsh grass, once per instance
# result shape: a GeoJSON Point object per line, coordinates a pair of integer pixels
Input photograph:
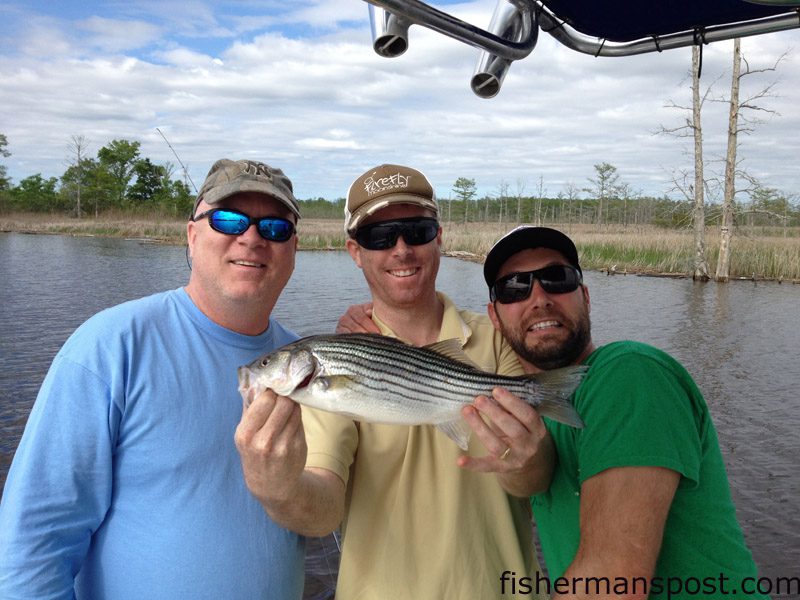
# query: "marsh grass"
{"type": "Point", "coordinates": [641, 249]}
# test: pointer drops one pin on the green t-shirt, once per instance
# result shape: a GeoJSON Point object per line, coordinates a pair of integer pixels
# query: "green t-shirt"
{"type": "Point", "coordinates": [642, 408]}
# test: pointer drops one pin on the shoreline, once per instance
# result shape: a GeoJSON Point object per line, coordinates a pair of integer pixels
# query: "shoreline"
{"type": "Point", "coordinates": [612, 251]}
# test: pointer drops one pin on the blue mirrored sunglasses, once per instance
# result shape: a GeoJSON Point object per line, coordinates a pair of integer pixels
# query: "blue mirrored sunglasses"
{"type": "Point", "coordinates": [234, 222]}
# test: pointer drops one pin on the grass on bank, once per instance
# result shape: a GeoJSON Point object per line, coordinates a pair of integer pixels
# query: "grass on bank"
{"type": "Point", "coordinates": [639, 249]}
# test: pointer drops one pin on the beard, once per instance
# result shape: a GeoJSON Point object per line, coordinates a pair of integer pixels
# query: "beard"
{"type": "Point", "coordinates": [550, 354]}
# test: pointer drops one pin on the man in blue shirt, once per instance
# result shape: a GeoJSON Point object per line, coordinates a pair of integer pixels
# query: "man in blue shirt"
{"type": "Point", "coordinates": [127, 483]}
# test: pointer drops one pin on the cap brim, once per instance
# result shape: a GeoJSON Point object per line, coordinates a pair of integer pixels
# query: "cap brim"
{"type": "Point", "coordinates": [524, 238]}
{"type": "Point", "coordinates": [218, 194]}
{"type": "Point", "coordinates": [370, 208]}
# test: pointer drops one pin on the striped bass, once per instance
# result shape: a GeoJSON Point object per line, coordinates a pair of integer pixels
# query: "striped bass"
{"type": "Point", "coordinates": [378, 379]}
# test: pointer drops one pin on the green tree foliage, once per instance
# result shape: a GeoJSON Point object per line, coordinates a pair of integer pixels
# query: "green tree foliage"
{"type": "Point", "coordinates": [116, 179]}
{"type": "Point", "coordinates": [149, 184]}
{"type": "Point", "coordinates": [319, 208]}
{"type": "Point", "coordinates": [77, 179]}
{"type": "Point", "coordinates": [4, 181]}
{"type": "Point", "coordinates": [119, 159]}
{"type": "Point", "coordinates": [175, 198]}
{"type": "Point", "coordinates": [35, 193]}
{"type": "Point", "coordinates": [465, 190]}
{"type": "Point", "coordinates": [97, 186]}
{"type": "Point", "coordinates": [604, 187]}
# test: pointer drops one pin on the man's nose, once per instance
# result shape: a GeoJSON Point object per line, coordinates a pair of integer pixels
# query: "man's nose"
{"type": "Point", "coordinates": [251, 236]}
{"type": "Point", "coordinates": [401, 248]}
{"type": "Point", "coordinates": [539, 297]}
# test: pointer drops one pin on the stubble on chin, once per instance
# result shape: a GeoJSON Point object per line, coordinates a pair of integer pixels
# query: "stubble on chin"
{"type": "Point", "coordinates": [548, 354]}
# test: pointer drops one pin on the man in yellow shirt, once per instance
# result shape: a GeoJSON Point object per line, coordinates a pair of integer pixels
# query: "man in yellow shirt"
{"type": "Point", "coordinates": [419, 518]}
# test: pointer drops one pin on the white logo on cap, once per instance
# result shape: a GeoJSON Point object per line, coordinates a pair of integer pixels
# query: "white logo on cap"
{"type": "Point", "coordinates": [375, 186]}
{"type": "Point", "coordinates": [255, 168]}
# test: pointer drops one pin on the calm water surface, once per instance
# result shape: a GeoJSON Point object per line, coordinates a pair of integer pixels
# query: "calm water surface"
{"type": "Point", "coordinates": [740, 341]}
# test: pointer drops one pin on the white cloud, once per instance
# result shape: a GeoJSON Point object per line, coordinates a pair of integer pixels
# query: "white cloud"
{"type": "Point", "coordinates": [297, 84]}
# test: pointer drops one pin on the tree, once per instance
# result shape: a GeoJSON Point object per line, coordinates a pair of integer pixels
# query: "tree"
{"type": "Point", "coordinates": [37, 194]}
{"type": "Point", "coordinates": [738, 123]}
{"type": "Point", "coordinates": [695, 191]}
{"type": "Point", "coordinates": [77, 146]}
{"type": "Point", "coordinates": [149, 185]}
{"type": "Point", "coordinates": [502, 196]}
{"type": "Point", "coordinates": [603, 187]}
{"type": "Point", "coordinates": [700, 269]}
{"type": "Point", "coordinates": [119, 159]}
{"type": "Point", "coordinates": [5, 183]}
{"type": "Point", "coordinates": [465, 191]}
{"type": "Point", "coordinates": [520, 193]}
{"type": "Point", "coordinates": [572, 195]}
{"type": "Point", "coordinates": [541, 191]}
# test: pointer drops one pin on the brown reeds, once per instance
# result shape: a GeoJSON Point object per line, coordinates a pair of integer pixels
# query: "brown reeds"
{"type": "Point", "coordinates": [640, 249]}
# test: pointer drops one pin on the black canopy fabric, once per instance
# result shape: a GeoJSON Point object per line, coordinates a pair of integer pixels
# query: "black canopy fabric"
{"type": "Point", "coordinates": [629, 20]}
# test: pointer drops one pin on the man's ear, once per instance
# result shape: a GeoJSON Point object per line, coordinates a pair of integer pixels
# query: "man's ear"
{"type": "Point", "coordinates": [355, 250]}
{"type": "Point", "coordinates": [493, 315]}
{"type": "Point", "coordinates": [586, 297]}
{"type": "Point", "coordinates": [191, 234]}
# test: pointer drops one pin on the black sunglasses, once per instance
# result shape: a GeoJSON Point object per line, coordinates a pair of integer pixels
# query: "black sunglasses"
{"type": "Point", "coordinates": [516, 287]}
{"type": "Point", "coordinates": [383, 235]}
{"type": "Point", "coordinates": [233, 222]}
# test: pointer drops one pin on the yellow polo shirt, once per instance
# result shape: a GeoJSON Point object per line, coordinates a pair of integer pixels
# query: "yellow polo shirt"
{"type": "Point", "coordinates": [416, 525]}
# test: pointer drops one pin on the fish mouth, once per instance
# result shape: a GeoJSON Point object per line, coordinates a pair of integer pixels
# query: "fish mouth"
{"type": "Point", "coordinates": [305, 383]}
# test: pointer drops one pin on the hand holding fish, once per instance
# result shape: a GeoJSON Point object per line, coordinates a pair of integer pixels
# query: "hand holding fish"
{"type": "Point", "coordinates": [520, 450]}
{"type": "Point", "coordinates": [357, 319]}
{"type": "Point", "coordinates": [272, 446]}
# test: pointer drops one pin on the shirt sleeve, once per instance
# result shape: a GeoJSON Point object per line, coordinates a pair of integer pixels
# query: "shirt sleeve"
{"type": "Point", "coordinates": [59, 485]}
{"type": "Point", "coordinates": [637, 412]}
{"type": "Point", "coordinates": [332, 441]}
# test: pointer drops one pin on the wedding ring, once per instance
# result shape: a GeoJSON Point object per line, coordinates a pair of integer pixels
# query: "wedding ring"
{"type": "Point", "coordinates": [505, 454]}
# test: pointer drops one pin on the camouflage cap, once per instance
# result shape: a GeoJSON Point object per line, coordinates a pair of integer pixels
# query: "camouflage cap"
{"type": "Point", "coordinates": [228, 177]}
{"type": "Point", "coordinates": [384, 185]}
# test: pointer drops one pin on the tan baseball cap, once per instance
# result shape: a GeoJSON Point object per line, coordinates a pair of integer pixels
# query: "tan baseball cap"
{"type": "Point", "coordinates": [384, 185]}
{"type": "Point", "coordinates": [228, 177]}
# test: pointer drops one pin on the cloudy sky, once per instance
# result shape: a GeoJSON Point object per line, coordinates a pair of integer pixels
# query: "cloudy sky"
{"type": "Point", "coordinates": [296, 84]}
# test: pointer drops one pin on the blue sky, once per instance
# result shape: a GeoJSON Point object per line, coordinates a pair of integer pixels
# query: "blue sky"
{"type": "Point", "coordinates": [297, 85]}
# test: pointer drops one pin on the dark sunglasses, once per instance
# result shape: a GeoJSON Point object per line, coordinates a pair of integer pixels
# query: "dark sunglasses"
{"type": "Point", "coordinates": [516, 287]}
{"type": "Point", "coordinates": [233, 222]}
{"type": "Point", "coordinates": [383, 235]}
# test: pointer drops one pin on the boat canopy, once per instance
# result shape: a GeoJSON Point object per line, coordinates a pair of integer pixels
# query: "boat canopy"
{"type": "Point", "coordinates": [597, 27]}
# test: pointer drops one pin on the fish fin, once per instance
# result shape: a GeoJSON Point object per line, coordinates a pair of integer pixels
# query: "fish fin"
{"type": "Point", "coordinates": [458, 431]}
{"type": "Point", "coordinates": [331, 382]}
{"type": "Point", "coordinates": [554, 388]}
{"type": "Point", "coordinates": [453, 349]}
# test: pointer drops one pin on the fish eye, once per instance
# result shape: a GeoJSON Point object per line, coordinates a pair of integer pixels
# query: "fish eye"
{"type": "Point", "coordinates": [264, 362]}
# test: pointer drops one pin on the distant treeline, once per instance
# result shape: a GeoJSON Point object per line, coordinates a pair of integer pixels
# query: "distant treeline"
{"type": "Point", "coordinates": [118, 178]}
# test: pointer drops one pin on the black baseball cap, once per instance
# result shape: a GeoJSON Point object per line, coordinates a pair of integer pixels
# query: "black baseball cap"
{"type": "Point", "coordinates": [527, 237]}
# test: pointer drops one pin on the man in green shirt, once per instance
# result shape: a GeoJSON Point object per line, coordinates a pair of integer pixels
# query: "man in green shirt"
{"type": "Point", "coordinates": [639, 502]}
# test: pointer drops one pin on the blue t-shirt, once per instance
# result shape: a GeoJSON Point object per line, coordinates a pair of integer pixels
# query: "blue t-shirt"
{"type": "Point", "coordinates": [127, 483]}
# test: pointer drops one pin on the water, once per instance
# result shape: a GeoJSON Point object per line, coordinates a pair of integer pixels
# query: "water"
{"type": "Point", "coordinates": [740, 341]}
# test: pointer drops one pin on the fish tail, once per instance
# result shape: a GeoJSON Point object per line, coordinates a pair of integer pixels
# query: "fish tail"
{"type": "Point", "coordinates": [554, 388]}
